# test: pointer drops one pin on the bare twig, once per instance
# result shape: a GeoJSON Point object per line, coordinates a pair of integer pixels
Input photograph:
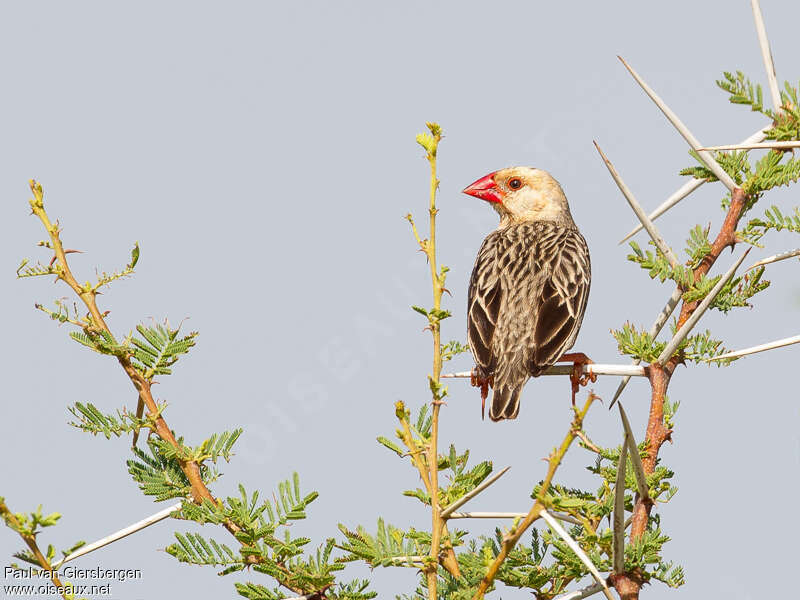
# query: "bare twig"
{"type": "Point", "coordinates": [151, 520]}
{"type": "Point", "coordinates": [688, 187]}
{"type": "Point", "coordinates": [761, 348]}
{"type": "Point", "coordinates": [596, 368]}
{"type": "Point", "coordinates": [707, 159]}
{"type": "Point", "coordinates": [556, 526]}
{"type": "Point", "coordinates": [639, 212]}
{"type": "Point", "coordinates": [471, 494]}
{"type": "Point", "coordinates": [687, 327]}
{"type": "Point", "coordinates": [766, 55]}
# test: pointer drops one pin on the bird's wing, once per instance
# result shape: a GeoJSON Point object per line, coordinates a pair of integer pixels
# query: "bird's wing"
{"type": "Point", "coordinates": [483, 304]}
{"type": "Point", "coordinates": [565, 257]}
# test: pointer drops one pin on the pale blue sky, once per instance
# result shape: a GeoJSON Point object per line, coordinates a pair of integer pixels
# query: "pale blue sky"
{"type": "Point", "coordinates": [263, 155]}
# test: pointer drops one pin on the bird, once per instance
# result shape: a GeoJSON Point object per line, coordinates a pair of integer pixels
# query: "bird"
{"type": "Point", "coordinates": [529, 287]}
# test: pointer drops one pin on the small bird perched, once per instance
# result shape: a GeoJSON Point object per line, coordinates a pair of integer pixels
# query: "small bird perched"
{"type": "Point", "coordinates": [529, 286]}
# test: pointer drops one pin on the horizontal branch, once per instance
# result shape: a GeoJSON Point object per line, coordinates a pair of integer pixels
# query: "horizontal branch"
{"type": "Point", "coordinates": [699, 311]}
{"type": "Point", "coordinates": [592, 368]}
{"type": "Point", "coordinates": [471, 494]}
{"type": "Point", "coordinates": [509, 515]}
{"type": "Point", "coordinates": [151, 520]}
{"type": "Point", "coordinates": [756, 349]}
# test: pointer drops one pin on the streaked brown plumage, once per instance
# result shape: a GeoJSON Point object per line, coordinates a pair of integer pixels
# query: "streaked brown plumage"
{"type": "Point", "coordinates": [529, 286]}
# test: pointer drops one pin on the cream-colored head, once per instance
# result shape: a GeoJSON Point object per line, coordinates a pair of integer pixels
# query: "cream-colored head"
{"type": "Point", "coordinates": [523, 195]}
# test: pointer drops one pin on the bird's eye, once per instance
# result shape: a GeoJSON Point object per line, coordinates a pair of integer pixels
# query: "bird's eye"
{"type": "Point", "coordinates": [515, 183]}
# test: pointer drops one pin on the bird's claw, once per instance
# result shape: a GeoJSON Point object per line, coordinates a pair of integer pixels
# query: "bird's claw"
{"type": "Point", "coordinates": [578, 378]}
{"type": "Point", "coordinates": [484, 383]}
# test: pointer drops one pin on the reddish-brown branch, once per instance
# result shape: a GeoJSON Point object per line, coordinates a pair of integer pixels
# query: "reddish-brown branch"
{"type": "Point", "coordinates": [628, 585]}
{"type": "Point", "coordinates": [725, 238]}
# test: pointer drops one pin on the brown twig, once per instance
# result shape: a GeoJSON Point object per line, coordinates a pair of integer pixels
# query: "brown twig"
{"type": "Point", "coordinates": [30, 540]}
{"type": "Point", "coordinates": [96, 321]}
{"type": "Point", "coordinates": [512, 537]}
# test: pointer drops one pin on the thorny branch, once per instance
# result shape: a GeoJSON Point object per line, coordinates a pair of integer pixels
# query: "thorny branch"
{"type": "Point", "coordinates": [554, 461]}
{"type": "Point", "coordinates": [95, 323]}
{"type": "Point", "coordinates": [30, 541]}
{"type": "Point", "coordinates": [629, 584]}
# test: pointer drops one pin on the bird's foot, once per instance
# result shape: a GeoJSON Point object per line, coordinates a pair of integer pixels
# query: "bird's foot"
{"type": "Point", "coordinates": [484, 383]}
{"type": "Point", "coordinates": [578, 377]}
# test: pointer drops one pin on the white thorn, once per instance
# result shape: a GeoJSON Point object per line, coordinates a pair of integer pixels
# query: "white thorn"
{"type": "Point", "coordinates": [618, 547]}
{"type": "Point", "coordinates": [692, 321]}
{"type": "Point", "coordinates": [709, 161]}
{"type": "Point", "coordinates": [766, 55]}
{"type": "Point", "coordinates": [556, 526]}
{"type": "Point", "coordinates": [762, 146]}
{"type": "Point", "coordinates": [636, 460]}
{"type": "Point", "coordinates": [775, 258]}
{"type": "Point", "coordinates": [688, 187]}
{"type": "Point", "coordinates": [661, 319]}
{"type": "Point", "coordinates": [756, 349]}
{"type": "Point", "coordinates": [585, 592]}
{"type": "Point", "coordinates": [461, 501]}
{"type": "Point", "coordinates": [639, 212]}
{"type": "Point", "coordinates": [159, 516]}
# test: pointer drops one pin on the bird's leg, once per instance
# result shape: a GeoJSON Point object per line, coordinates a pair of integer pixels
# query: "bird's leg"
{"type": "Point", "coordinates": [578, 377]}
{"type": "Point", "coordinates": [484, 383]}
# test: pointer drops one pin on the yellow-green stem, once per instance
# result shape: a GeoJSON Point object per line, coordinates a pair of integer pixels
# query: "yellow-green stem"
{"type": "Point", "coordinates": [433, 452]}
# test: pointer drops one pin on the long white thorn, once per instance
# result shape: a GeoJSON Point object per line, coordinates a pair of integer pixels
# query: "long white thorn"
{"type": "Point", "coordinates": [692, 321]}
{"type": "Point", "coordinates": [707, 159]}
{"type": "Point", "coordinates": [636, 460]}
{"type": "Point", "coordinates": [766, 55]}
{"type": "Point", "coordinates": [619, 509]}
{"type": "Point", "coordinates": [775, 258]}
{"type": "Point", "coordinates": [469, 495]}
{"type": "Point", "coordinates": [688, 187]}
{"type": "Point", "coordinates": [756, 349]}
{"type": "Point", "coordinates": [763, 146]}
{"type": "Point", "coordinates": [585, 592]}
{"type": "Point", "coordinates": [658, 325]}
{"type": "Point", "coordinates": [596, 368]}
{"type": "Point", "coordinates": [508, 515]}
{"type": "Point", "coordinates": [556, 526]}
{"type": "Point", "coordinates": [159, 516]}
{"type": "Point", "coordinates": [639, 212]}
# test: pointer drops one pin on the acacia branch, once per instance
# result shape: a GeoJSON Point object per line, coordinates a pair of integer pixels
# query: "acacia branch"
{"type": "Point", "coordinates": [512, 537]}
{"type": "Point", "coordinates": [96, 323]}
{"type": "Point", "coordinates": [30, 541]}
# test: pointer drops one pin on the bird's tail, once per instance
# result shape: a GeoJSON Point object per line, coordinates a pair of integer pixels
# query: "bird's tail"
{"type": "Point", "coordinates": [505, 402]}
